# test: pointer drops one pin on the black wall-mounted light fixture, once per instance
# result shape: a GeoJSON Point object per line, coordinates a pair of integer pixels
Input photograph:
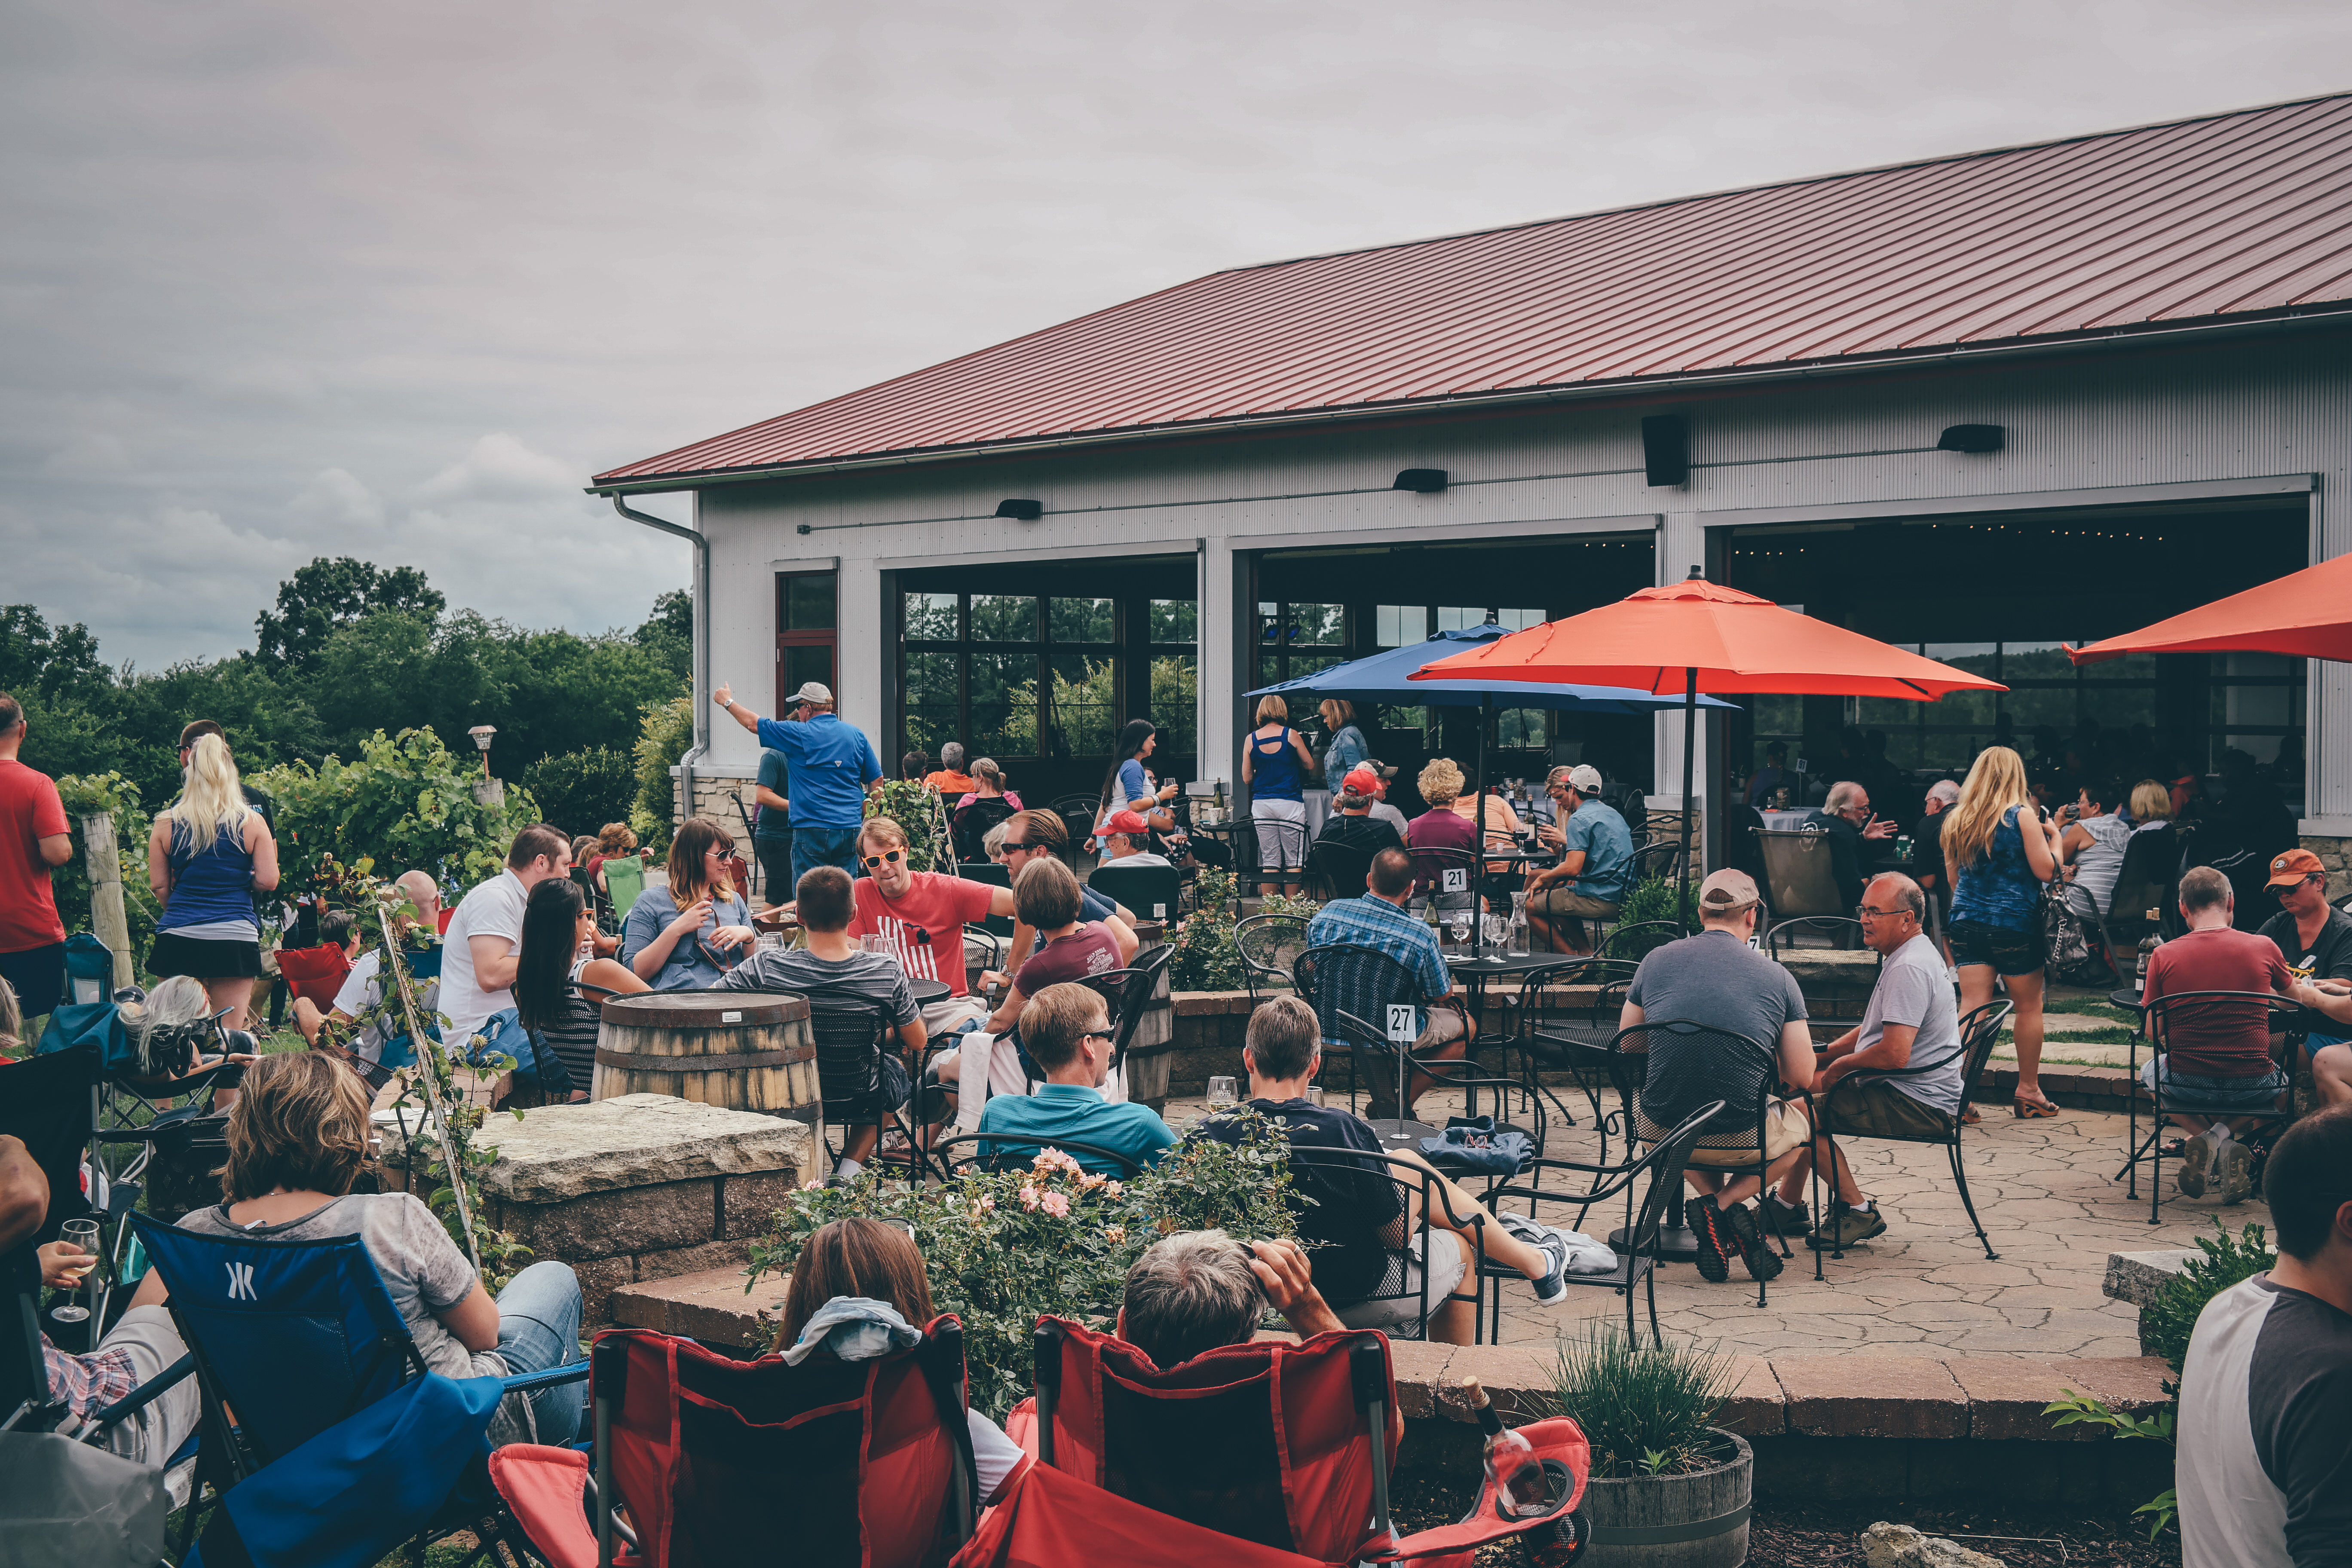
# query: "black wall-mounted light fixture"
{"type": "Point", "coordinates": [1021, 511]}
{"type": "Point", "coordinates": [1421, 481]}
{"type": "Point", "coordinates": [1665, 449]}
{"type": "Point", "coordinates": [803, 529]}
{"type": "Point", "coordinates": [1971, 438]}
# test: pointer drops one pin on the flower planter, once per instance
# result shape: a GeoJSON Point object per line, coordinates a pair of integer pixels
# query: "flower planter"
{"type": "Point", "coordinates": [1697, 1520]}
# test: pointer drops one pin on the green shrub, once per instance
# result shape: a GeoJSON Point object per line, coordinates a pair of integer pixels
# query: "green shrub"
{"type": "Point", "coordinates": [916, 808]}
{"type": "Point", "coordinates": [582, 791]}
{"type": "Point", "coordinates": [1000, 1248]}
{"type": "Point", "coordinates": [1656, 899]}
{"type": "Point", "coordinates": [2171, 1318]}
{"type": "Point", "coordinates": [404, 803]}
{"type": "Point", "coordinates": [1645, 1412]}
{"type": "Point", "coordinates": [664, 735]}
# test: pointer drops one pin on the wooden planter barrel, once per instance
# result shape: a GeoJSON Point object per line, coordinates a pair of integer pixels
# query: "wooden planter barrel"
{"type": "Point", "coordinates": [1674, 1521]}
{"type": "Point", "coordinates": [1150, 1049]}
{"type": "Point", "coordinates": [743, 1050]}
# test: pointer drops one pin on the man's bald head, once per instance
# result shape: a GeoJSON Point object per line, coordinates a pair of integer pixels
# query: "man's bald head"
{"type": "Point", "coordinates": [1893, 910]}
{"type": "Point", "coordinates": [425, 894]}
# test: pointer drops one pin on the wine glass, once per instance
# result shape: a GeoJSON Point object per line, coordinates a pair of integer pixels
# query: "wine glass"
{"type": "Point", "coordinates": [83, 1236]}
{"type": "Point", "coordinates": [1221, 1094]}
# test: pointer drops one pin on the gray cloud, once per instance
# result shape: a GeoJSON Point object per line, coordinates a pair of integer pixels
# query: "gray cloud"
{"type": "Point", "coordinates": [282, 280]}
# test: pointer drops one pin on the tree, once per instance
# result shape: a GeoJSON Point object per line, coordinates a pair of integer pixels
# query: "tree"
{"type": "Point", "coordinates": [60, 662]}
{"type": "Point", "coordinates": [328, 594]}
{"type": "Point", "coordinates": [404, 801]}
{"type": "Point", "coordinates": [669, 633]}
{"type": "Point", "coordinates": [580, 792]}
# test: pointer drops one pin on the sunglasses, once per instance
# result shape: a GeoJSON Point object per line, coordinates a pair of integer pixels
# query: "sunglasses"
{"type": "Point", "coordinates": [2314, 878]}
{"type": "Point", "coordinates": [888, 857]}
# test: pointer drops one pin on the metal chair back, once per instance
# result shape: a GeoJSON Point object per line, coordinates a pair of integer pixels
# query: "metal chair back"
{"type": "Point", "coordinates": [1843, 932]}
{"type": "Point", "coordinates": [1341, 869]}
{"type": "Point", "coordinates": [1412, 1190]}
{"type": "Point", "coordinates": [1797, 874]}
{"type": "Point", "coordinates": [1268, 946]}
{"type": "Point", "coordinates": [1151, 891]}
{"type": "Point", "coordinates": [1447, 875]}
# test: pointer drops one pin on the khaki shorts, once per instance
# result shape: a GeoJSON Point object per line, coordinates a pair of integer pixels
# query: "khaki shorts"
{"type": "Point", "coordinates": [1569, 902]}
{"type": "Point", "coordinates": [1876, 1108]}
{"type": "Point", "coordinates": [1785, 1128]}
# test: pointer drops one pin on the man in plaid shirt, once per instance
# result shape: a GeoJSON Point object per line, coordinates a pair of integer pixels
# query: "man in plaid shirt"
{"type": "Point", "coordinates": [1378, 921]}
{"type": "Point", "coordinates": [141, 1345]}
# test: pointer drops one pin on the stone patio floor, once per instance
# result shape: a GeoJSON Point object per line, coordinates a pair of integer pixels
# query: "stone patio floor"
{"type": "Point", "coordinates": [1923, 1287]}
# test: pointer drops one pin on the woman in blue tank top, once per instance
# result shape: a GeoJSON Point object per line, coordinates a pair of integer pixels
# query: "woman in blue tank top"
{"type": "Point", "coordinates": [208, 854]}
{"type": "Point", "coordinates": [1275, 761]}
{"type": "Point", "coordinates": [1999, 853]}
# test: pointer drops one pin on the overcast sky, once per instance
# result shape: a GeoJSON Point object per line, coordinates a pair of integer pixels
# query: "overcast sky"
{"type": "Point", "coordinates": [390, 280]}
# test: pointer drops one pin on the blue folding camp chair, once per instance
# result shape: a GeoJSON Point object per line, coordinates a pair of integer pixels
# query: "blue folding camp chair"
{"type": "Point", "coordinates": [305, 1364]}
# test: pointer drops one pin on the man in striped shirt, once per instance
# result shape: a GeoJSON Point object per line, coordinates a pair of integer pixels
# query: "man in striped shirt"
{"type": "Point", "coordinates": [1378, 921]}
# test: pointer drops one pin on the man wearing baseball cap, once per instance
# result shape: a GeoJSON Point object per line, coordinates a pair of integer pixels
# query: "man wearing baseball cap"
{"type": "Point", "coordinates": [833, 767]}
{"type": "Point", "coordinates": [1381, 810]}
{"type": "Point", "coordinates": [1353, 822]}
{"type": "Point", "coordinates": [1127, 840]}
{"type": "Point", "coordinates": [1716, 980]}
{"type": "Point", "coordinates": [1596, 852]}
{"type": "Point", "coordinates": [2316, 939]}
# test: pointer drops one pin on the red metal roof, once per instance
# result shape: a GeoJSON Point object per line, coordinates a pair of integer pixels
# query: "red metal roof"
{"type": "Point", "coordinates": [2233, 215]}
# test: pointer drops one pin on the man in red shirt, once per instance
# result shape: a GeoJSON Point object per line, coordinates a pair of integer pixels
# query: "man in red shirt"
{"type": "Point", "coordinates": [35, 838]}
{"type": "Point", "coordinates": [2214, 1053]}
{"type": "Point", "coordinates": [921, 915]}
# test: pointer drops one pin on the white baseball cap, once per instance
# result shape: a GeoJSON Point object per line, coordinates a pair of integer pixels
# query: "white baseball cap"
{"type": "Point", "coordinates": [1585, 779]}
{"type": "Point", "coordinates": [813, 692]}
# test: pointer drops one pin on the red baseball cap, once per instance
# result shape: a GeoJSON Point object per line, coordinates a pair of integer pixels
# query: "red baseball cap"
{"type": "Point", "coordinates": [1361, 781]}
{"type": "Point", "coordinates": [1127, 821]}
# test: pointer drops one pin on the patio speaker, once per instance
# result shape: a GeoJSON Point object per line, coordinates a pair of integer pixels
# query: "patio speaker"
{"type": "Point", "coordinates": [1970, 438]}
{"type": "Point", "coordinates": [1021, 511]}
{"type": "Point", "coordinates": [1665, 449]}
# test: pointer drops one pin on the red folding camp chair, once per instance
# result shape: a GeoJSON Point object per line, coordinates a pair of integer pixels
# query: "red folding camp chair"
{"type": "Point", "coordinates": [863, 1463]}
{"type": "Point", "coordinates": [1285, 1447]}
{"type": "Point", "coordinates": [315, 973]}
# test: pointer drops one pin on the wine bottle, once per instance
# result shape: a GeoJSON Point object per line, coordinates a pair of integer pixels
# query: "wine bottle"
{"type": "Point", "coordinates": [1513, 1471]}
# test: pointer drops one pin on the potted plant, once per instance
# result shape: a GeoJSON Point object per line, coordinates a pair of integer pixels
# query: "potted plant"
{"type": "Point", "coordinates": [1668, 1489]}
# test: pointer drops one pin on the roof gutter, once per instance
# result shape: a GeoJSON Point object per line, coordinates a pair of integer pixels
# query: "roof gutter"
{"type": "Point", "coordinates": [2121, 337]}
{"type": "Point", "coordinates": [697, 698]}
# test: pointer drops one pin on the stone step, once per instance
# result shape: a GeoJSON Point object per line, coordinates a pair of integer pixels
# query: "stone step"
{"type": "Point", "coordinates": [711, 1305]}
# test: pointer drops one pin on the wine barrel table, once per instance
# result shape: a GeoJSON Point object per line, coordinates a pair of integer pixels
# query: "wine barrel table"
{"type": "Point", "coordinates": [1150, 1049]}
{"type": "Point", "coordinates": [743, 1050]}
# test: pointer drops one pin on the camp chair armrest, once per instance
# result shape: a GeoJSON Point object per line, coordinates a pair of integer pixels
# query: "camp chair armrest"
{"type": "Point", "coordinates": [524, 1382]}
{"type": "Point", "coordinates": [140, 1397]}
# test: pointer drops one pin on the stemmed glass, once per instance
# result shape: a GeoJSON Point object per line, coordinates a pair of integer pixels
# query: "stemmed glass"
{"type": "Point", "coordinates": [83, 1236]}
{"type": "Point", "coordinates": [1221, 1094]}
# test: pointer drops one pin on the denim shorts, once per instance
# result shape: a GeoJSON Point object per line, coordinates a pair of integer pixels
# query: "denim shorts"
{"type": "Point", "coordinates": [2214, 1096]}
{"type": "Point", "coordinates": [2007, 951]}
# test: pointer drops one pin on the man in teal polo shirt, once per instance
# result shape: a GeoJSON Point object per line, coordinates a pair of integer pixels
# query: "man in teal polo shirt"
{"type": "Point", "coordinates": [833, 767]}
{"type": "Point", "coordinates": [1066, 1028]}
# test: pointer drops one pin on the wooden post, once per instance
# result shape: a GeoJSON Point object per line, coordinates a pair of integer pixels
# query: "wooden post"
{"type": "Point", "coordinates": [107, 921]}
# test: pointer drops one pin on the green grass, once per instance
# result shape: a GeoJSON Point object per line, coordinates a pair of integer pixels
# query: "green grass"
{"type": "Point", "coordinates": [2089, 1007]}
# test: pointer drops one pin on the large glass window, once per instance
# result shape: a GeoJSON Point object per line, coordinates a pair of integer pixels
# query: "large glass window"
{"type": "Point", "coordinates": [805, 634]}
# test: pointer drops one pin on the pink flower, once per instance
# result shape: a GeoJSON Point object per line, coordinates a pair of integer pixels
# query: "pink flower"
{"type": "Point", "coordinates": [1057, 1204]}
{"type": "Point", "coordinates": [1053, 1160]}
{"type": "Point", "coordinates": [1112, 1189]}
{"type": "Point", "coordinates": [1029, 1198]}
{"type": "Point", "coordinates": [1088, 1181]}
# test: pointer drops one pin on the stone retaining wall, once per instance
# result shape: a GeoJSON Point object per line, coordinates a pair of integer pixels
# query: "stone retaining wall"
{"type": "Point", "coordinates": [639, 1188]}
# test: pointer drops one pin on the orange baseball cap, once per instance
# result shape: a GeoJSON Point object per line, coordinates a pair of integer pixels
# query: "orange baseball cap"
{"type": "Point", "coordinates": [2293, 867]}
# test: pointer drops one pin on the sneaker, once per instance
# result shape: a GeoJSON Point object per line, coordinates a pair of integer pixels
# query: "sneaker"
{"type": "Point", "coordinates": [2194, 1158]}
{"type": "Point", "coordinates": [1755, 1251]}
{"type": "Point", "coordinates": [1553, 1288]}
{"type": "Point", "coordinates": [2234, 1168]}
{"type": "Point", "coordinates": [1716, 1241]}
{"type": "Point", "coordinates": [1846, 1228]}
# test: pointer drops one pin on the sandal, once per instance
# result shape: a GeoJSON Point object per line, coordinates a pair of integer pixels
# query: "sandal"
{"type": "Point", "coordinates": [2027, 1109]}
{"type": "Point", "coordinates": [1971, 1116]}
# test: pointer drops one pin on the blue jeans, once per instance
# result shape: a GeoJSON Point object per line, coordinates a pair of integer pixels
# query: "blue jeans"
{"type": "Point", "coordinates": [813, 847]}
{"type": "Point", "coordinates": [2200, 1095]}
{"type": "Point", "coordinates": [538, 1329]}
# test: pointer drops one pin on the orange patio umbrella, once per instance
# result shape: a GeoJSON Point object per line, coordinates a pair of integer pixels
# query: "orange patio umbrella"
{"type": "Point", "coordinates": [1697, 636]}
{"type": "Point", "coordinates": [2306, 614]}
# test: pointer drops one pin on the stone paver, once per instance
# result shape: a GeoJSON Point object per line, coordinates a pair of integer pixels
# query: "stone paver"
{"type": "Point", "coordinates": [1924, 1289]}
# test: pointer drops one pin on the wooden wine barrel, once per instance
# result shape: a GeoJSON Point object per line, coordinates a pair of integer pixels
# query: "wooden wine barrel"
{"type": "Point", "coordinates": [1149, 1050]}
{"type": "Point", "coordinates": [742, 1049]}
{"type": "Point", "coordinates": [1697, 1521]}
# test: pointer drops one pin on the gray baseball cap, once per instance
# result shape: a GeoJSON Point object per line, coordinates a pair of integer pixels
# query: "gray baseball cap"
{"type": "Point", "coordinates": [811, 692]}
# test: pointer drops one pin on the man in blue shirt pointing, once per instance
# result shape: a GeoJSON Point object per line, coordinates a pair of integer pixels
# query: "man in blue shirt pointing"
{"type": "Point", "coordinates": [833, 768]}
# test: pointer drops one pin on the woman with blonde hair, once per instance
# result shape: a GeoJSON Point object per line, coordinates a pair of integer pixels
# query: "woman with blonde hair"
{"type": "Point", "coordinates": [2000, 851]}
{"type": "Point", "coordinates": [297, 1143]}
{"type": "Point", "coordinates": [1440, 827]}
{"type": "Point", "coordinates": [684, 936]}
{"type": "Point", "coordinates": [208, 854]}
{"type": "Point", "coordinates": [1348, 746]}
{"type": "Point", "coordinates": [1275, 762]}
{"type": "Point", "coordinates": [2151, 805]}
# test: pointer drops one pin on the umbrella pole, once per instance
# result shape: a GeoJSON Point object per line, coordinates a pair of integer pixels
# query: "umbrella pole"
{"type": "Point", "coordinates": [1690, 731]}
{"type": "Point", "coordinates": [1478, 831]}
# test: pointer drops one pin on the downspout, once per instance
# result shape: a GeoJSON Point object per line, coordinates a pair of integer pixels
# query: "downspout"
{"type": "Point", "coordinates": [700, 697]}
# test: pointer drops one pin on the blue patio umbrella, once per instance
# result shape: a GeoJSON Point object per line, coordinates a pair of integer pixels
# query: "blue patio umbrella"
{"type": "Point", "coordinates": [1383, 678]}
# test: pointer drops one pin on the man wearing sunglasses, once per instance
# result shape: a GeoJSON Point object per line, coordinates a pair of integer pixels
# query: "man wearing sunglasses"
{"type": "Point", "coordinates": [921, 915]}
{"type": "Point", "coordinates": [2316, 939]}
{"type": "Point", "coordinates": [1041, 835]}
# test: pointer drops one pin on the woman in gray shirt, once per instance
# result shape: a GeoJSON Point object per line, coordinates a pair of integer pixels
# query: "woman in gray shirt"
{"type": "Point", "coordinates": [296, 1143]}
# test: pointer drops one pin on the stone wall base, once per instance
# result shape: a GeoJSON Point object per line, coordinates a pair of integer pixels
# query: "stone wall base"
{"type": "Point", "coordinates": [2336, 854]}
{"type": "Point", "coordinates": [716, 796]}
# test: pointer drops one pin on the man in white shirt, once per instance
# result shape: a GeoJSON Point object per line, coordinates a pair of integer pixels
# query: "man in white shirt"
{"type": "Point", "coordinates": [1381, 810]}
{"type": "Point", "coordinates": [485, 936]}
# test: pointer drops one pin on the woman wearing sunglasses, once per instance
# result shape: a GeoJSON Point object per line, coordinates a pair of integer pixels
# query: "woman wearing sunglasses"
{"type": "Point", "coordinates": [685, 936]}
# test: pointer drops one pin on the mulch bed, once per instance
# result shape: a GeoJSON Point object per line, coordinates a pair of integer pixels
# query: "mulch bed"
{"type": "Point", "coordinates": [1829, 1536]}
